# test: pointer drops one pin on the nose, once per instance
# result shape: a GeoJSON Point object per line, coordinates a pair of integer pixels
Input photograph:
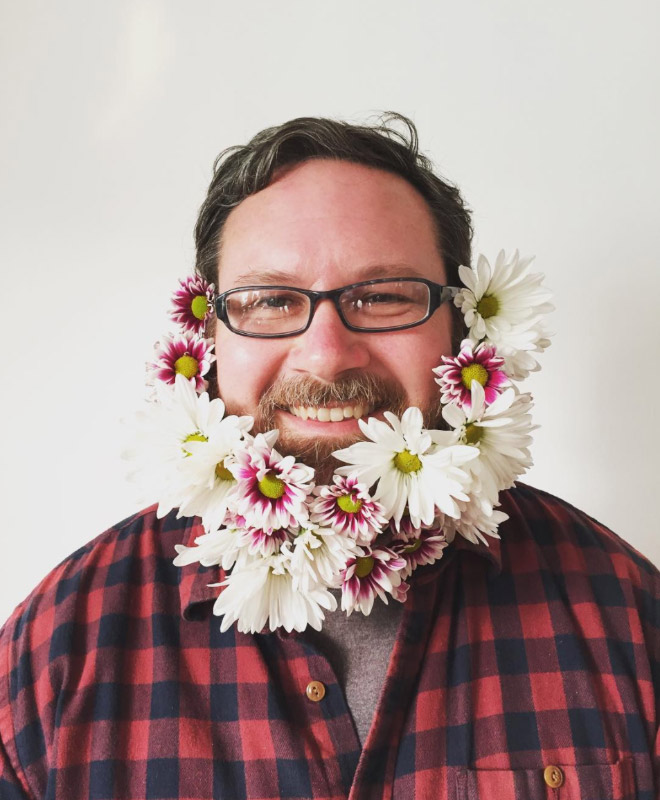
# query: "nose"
{"type": "Point", "coordinates": [327, 349]}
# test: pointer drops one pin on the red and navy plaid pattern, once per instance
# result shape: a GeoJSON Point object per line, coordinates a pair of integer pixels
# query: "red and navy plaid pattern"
{"type": "Point", "coordinates": [115, 681]}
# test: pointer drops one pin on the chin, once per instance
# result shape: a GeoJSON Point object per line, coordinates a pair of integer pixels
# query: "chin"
{"type": "Point", "coordinates": [316, 451]}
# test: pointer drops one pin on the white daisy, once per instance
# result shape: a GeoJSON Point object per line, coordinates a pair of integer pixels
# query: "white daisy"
{"type": "Point", "coordinates": [221, 547]}
{"type": "Point", "coordinates": [519, 352]}
{"type": "Point", "coordinates": [501, 302]}
{"type": "Point", "coordinates": [478, 519]}
{"type": "Point", "coordinates": [318, 555]}
{"type": "Point", "coordinates": [161, 440]}
{"type": "Point", "coordinates": [413, 466]}
{"type": "Point", "coordinates": [500, 432]}
{"type": "Point", "coordinates": [208, 471]}
{"type": "Point", "coordinates": [262, 592]}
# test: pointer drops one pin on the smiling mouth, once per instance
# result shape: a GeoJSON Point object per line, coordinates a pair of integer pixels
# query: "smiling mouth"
{"type": "Point", "coordinates": [330, 414]}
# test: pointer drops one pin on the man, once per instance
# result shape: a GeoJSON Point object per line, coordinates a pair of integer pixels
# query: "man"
{"type": "Point", "coordinates": [528, 668]}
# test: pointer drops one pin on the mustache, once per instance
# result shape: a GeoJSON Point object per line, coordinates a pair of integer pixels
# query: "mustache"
{"type": "Point", "coordinates": [365, 389]}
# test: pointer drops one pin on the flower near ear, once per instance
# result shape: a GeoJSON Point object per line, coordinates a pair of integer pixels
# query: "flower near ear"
{"type": "Point", "coordinates": [192, 304]}
{"type": "Point", "coordinates": [272, 489]}
{"type": "Point", "coordinates": [502, 302]}
{"type": "Point", "coordinates": [481, 364]}
{"type": "Point", "coordinates": [183, 354]}
{"type": "Point", "coordinates": [420, 469]}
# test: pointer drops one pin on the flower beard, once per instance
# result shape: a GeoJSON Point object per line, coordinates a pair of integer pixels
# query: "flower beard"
{"type": "Point", "coordinates": [370, 391]}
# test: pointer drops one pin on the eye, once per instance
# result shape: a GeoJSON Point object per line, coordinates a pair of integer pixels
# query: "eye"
{"type": "Point", "coordinates": [266, 303]}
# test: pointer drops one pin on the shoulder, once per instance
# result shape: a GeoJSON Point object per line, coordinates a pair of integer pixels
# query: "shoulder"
{"type": "Point", "coordinates": [97, 603]}
{"type": "Point", "coordinates": [554, 538]}
{"type": "Point", "coordinates": [137, 550]}
{"type": "Point", "coordinates": [552, 522]}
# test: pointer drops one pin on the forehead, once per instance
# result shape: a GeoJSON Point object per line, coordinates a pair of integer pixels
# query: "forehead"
{"type": "Point", "coordinates": [328, 221]}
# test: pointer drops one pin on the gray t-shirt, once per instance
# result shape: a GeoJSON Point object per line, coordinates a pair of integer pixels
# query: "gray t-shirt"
{"type": "Point", "coordinates": [359, 649]}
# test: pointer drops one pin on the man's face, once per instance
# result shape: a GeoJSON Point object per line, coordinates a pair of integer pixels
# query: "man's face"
{"type": "Point", "coordinates": [322, 225]}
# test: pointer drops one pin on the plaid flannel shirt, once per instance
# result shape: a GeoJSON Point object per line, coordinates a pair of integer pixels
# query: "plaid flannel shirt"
{"type": "Point", "coordinates": [529, 669]}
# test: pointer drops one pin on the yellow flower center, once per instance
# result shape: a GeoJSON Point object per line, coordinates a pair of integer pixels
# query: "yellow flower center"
{"type": "Point", "coordinates": [488, 306]}
{"type": "Point", "coordinates": [474, 372]}
{"type": "Point", "coordinates": [271, 486]}
{"type": "Point", "coordinates": [222, 473]}
{"type": "Point", "coordinates": [186, 366]}
{"type": "Point", "coordinates": [363, 566]}
{"type": "Point", "coordinates": [410, 548]}
{"type": "Point", "coordinates": [198, 436]}
{"type": "Point", "coordinates": [199, 306]}
{"type": "Point", "coordinates": [405, 461]}
{"type": "Point", "coordinates": [349, 503]}
{"type": "Point", "coordinates": [473, 433]}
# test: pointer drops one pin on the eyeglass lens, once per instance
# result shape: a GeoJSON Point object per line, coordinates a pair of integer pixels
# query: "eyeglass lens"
{"type": "Point", "coordinates": [276, 311]}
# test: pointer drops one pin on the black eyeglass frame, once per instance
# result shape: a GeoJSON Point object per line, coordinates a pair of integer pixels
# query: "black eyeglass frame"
{"type": "Point", "coordinates": [438, 294]}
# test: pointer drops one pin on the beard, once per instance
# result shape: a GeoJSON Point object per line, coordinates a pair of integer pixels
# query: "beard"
{"type": "Point", "coordinates": [369, 391]}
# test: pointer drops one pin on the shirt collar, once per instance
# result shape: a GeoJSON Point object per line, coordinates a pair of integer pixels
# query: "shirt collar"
{"type": "Point", "coordinates": [194, 591]}
{"type": "Point", "coordinates": [491, 551]}
{"type": "Point", "coordinates": [194, 579]}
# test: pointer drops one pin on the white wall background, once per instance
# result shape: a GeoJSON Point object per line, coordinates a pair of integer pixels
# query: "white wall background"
{"type": "Point", "coordinates": [546, 114]}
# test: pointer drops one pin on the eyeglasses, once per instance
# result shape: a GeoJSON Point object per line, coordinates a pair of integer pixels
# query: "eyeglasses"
{"type": "Point", "coordinates": [374, 306]}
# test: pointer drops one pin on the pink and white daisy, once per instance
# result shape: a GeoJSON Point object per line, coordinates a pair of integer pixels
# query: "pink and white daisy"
{"type": "Point", "coordinates": [183, 354]}
{"type": "Point", "coordinates": [377, 572]}
{"type": "Point", "coordinates": [264, 541]}
{"type": "Point", "coordinates": [426, 549]}
{"type": "Point", "coordinates": [348, 508]}
{"type": "Point", "coordinates": [192, 303]}
{"type": "Point", "coordinates": [406, 530]}
{"type": "Point", "coordinates": [271, 489]}
{"type": "Point", "coordinates": [481, 364]}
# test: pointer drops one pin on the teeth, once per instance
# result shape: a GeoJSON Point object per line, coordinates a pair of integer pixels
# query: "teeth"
{"type": "Point", "coordinates": [334, 414]}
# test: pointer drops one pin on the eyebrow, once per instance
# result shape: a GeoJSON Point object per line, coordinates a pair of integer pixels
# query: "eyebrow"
{"type": "Point", "coordinates": [274, 277]}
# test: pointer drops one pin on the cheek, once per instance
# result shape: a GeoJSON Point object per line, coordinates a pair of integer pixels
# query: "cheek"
{"type": "Point", "coordinates": [245, 368]}
{"type": "Point", "coordinates": [413, 359]}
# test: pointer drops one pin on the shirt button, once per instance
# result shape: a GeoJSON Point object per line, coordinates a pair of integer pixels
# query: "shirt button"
{"type": "Point", "coordinates": [553, 776]}
{"type": "Point", "coordinates": [315, 691]}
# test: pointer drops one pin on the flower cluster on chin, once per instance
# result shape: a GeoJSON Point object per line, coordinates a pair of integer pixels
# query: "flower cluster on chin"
{"type": "Point", "coordinates": [285, 547]}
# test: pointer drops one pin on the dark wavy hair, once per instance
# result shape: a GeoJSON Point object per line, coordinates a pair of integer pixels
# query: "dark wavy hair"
{"type": "Point", "coordinates": [242, 170]}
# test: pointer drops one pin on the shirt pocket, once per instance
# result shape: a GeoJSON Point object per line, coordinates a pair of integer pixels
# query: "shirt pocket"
{"type": "Point", "coordinates": [560, 782]}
